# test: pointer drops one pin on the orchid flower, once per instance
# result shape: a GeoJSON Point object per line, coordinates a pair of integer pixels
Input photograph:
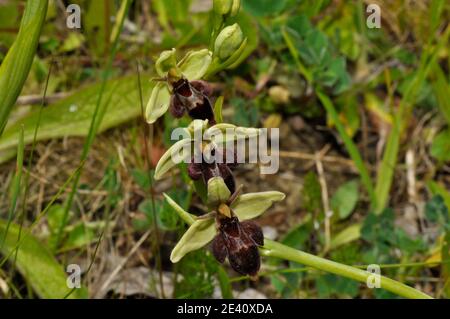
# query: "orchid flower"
{"type": "Point", "coordinates": [184, 149]}
{"type": "Point", "coordinates": [175, 74]}
{"type": "Point", "coordinates": [227, 224]}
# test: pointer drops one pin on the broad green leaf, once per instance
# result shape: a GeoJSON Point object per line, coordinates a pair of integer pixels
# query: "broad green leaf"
{"type": "Point", "coordinates": [37, 265]}
{"type": "Point", "coordinates": [345, 198]}
{"type": "Point", "coordinates": [158, 104]}
{"type": "Point", "coordinates": [72, 116]}
{"type": "Point", "coordinates": [176, 154]}
{"type": "Point", "coordinates": [17, 63]}
{"type": "Point", "coordinates": [200, 233]}
{"type": "Point", "coordinates": [195, 63]}
{"type": "Point", "coordinates": [218, 191]}
{"type": "Point", "coordinates": [252, 205]}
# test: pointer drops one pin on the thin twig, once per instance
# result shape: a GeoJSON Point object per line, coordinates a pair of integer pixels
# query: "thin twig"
{"type": "Point", "coordinates": [122, 263]}
{"type": "Point", "coordinates": [326, 205]}
{"type": "Point", "coordinates": [37, 98]}
{"type": "Point", "coordinates": [312, 157]}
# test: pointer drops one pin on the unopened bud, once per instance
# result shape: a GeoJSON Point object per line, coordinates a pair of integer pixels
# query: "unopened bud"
{"type": "Point", "coordinates": [228, 41]}
{"type": "Point", "coordinates": [226, 7]}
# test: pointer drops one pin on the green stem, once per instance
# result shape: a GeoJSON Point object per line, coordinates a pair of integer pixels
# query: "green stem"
{"type": "Point", "coordinates": [277, 250]}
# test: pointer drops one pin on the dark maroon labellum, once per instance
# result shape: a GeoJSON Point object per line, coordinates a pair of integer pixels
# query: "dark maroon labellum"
{"type": "Point", "coordinates": [192, 97]}
{"type": "Point", "coordinates": [239, 242]}
{"type": "Point", "coordinates": [209, 170]}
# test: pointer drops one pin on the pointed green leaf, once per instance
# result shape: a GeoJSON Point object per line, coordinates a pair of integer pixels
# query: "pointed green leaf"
{"type": "Point", "coordinates": [252, 205]}
{"type": "Point", "coordinates": [177, 153]}
{"type": "Point", "coordinates": [158, 103]}
{"type": "Point", "coordinates": [198, 235]}
{"type": "Point", "coordinates": [195, 63]}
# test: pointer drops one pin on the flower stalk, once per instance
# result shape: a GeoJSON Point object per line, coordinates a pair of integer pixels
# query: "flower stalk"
{"type": "Point", "coordinates": [277, 250]}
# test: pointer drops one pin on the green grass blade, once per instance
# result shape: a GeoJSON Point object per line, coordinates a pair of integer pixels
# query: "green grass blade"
{"type": "Point", "coordinates": [30, 161]}
{"type": "Point", "coordinates": [17, 63]}
{"type": "Point", "coordinates": [389, 161]}
{"type": "Point", "coordinates": [100, 109]}
{"type": "Point", "coordinates": [40, 215]}
{"type": "Point", "coordinates": [15, 190]}
{"type": "Point", "coordinates": [353, 151]}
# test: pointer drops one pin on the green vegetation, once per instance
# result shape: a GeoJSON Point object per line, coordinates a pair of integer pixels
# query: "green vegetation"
{"type": "Point", "coordinates": [87, 177]}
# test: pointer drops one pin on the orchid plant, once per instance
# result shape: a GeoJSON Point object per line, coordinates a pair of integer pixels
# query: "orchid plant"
{"type": "Point", "coordinates": [227, 223]}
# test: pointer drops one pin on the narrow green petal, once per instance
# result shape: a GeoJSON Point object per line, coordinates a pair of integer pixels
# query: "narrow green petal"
{"type": "Point", "coordinates": [187, 217]}
{"type": "Point", "coordinates": [195, 64]}
{"type": "Point", "coordinates": [158, 103]}
{"type": "Point", "coordinates": [252, 205]}
{"type": "Point", "coordinates": [180, 151]}
{"type": "Point", "coordinates": [198, 235]}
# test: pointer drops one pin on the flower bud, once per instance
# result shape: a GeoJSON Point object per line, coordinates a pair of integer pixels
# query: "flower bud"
{"type": "Point", "coordinates": [228, 41]}
{"type": "Point", "coordinates": [226, 7]}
